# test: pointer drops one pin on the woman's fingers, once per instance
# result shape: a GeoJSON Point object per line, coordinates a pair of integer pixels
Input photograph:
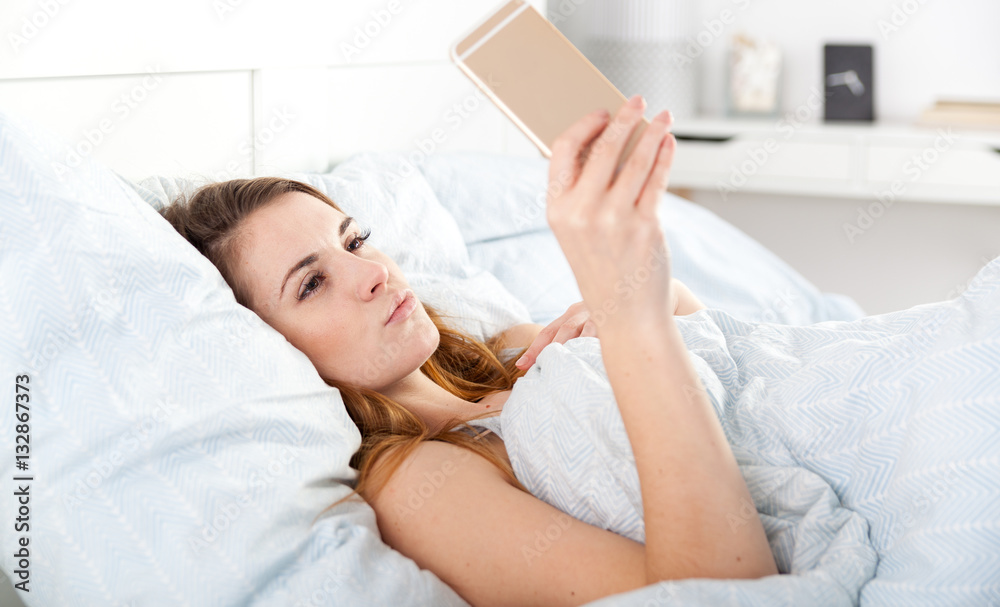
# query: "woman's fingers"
{"type": "Point", "coordinates": [564, 333]}
{"type": "Point", "coordinates": [605, 239]}
{"type": "Point", "coordinates": [636, 172]}
{"type": "Point", "coordinates": [528, 358]}
{"type": "Point", "coordinates": [564, 166]}
{"type": "Point", "coordinates": [603, 158]}
{"type": "Point", "coordinates": [560, 330]}
{"type": "Point", "coordinates": [543, 339]}
{"type": "Point", "coordinates": [658, 178]}
{"type": "Point", "coordinates": [568, 331]}
{"type": "Point", "coordinates": [589, 329]}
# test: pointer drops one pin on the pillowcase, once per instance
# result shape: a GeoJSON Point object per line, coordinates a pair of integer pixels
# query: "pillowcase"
{"type": "Point", "coordinates": [179, 447]}
{"type": "Point", "coordinates": [499, 204]}
{"type": "Point", "coordinates": [383, 191]}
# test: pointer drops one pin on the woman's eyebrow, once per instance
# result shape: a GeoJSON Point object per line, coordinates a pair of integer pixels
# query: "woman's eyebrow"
{"type": "Point", "coordinates": [310, 259]}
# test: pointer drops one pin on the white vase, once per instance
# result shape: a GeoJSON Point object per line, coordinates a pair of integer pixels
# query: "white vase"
{"type": "Point", "coordinates": [642, 47]}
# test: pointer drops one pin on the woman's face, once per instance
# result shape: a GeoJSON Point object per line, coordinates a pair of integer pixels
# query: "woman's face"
{"type": "Point", "coordinates": [329, 293]}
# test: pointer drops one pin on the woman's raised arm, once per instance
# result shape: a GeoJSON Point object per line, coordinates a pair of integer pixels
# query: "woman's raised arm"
{"type": "Point", "coordinates": [454, 513]}
{"type": "Point", "coordinates": [606, 225]}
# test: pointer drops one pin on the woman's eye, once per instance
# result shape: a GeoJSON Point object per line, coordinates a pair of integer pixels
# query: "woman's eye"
{"type": "Point", "coordinates": [360, 238]}
{"type": "Point", "coordinates": [313, 283]}
{"type": "Point", "coordinates": [316, 280]}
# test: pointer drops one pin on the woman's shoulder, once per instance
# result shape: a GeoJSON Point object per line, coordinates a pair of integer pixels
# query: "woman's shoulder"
{"type": "Point", "coordinates": [431, 462]}
{"type": "Point", "coordinates": [444, 491]}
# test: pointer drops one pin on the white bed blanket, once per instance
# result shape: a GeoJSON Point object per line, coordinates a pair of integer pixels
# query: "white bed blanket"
{"type": "Point", "coordinates": [871, 449]}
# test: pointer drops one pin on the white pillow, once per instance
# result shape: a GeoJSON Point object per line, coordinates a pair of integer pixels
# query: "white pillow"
{"type": "Point", "coordinates": [179, 447]}
{"type": "Point", "coordinates": [499, 204]}
{"type": "Point", "coordinates": [409, 224]}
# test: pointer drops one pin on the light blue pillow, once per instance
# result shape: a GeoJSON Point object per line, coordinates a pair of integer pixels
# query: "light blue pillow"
{"type": "Point", "coordinates": [498, 202]}
{"type": "Point", "coordinates": [179, 447]}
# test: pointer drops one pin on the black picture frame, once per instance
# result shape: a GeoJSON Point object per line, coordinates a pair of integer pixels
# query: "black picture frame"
{"type": "Point", "coordinates": [849, 82]}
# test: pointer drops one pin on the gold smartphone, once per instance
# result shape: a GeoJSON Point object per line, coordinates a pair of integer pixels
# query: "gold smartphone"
{"type": "Point", "coordinates": [535, 75]}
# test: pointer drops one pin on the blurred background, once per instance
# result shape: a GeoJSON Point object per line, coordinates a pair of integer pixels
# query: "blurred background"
{"type": "Point", "coordinates": [890, 210]}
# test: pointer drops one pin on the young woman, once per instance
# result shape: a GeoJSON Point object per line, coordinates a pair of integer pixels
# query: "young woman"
{"type": "Point", "coordinates": [408, 381]}
{"type": "Point", "coordinates": [296, 260]}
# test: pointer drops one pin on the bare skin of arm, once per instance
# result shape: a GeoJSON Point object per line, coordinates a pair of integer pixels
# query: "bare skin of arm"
{"type": "Point", "coordinates": [605, 221]}
{"type": "Point", "coordinates": [455, 514]}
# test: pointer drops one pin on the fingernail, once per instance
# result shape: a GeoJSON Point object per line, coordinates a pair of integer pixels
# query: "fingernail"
{"type": "Point", "coordinates": [519, 361]}
{"type": "Point", "coordinates": [635, 101]}
{"type": "Point", "coordinates": [663, 117]}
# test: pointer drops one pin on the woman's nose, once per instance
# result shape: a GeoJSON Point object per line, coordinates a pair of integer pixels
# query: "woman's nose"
{"type": "Point", "coordinates": [372, 276]}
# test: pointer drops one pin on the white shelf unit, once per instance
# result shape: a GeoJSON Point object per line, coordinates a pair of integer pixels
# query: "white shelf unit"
{"type": "Point", "coordinates": [852, 160]}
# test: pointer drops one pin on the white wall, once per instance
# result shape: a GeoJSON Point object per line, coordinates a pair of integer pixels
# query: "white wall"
{"type": "Point", "coordinates": [938, 49]}
{"type": "Point", "coordinates": [218, 89]}
{"type": "Point", "coordinates": [924, 49]}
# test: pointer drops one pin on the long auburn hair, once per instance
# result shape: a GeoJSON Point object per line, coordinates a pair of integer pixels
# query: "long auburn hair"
{"type": "Point", "coordinates": [463, 365]}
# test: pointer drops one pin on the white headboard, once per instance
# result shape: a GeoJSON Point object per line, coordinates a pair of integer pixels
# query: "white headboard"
{"type": "Point", "coordinates": [231, 88]}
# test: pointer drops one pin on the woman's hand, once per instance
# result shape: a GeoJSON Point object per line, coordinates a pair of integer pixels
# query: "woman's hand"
{"type": "Point", "coordinates": [575, 322]}
{"type": "Point", "coordinates": [606, 224]}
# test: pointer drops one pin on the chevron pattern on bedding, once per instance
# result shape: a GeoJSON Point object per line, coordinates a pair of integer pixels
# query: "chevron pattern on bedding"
{"type": "Point", "coordinates": [871, 449]}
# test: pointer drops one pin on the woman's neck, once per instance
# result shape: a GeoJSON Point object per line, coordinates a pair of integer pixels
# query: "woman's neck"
{"type": "Point", "coordinates": [435, 405]}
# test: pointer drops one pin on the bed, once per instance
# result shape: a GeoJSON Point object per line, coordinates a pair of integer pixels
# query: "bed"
{"type": "Point", "coordinates": [179, 447]}
{"type": "Point", "coordinates": [182, 443]}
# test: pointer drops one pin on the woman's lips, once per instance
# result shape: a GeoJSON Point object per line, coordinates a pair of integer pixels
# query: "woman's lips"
{"type": "Point", "coordinates": [405, 308]}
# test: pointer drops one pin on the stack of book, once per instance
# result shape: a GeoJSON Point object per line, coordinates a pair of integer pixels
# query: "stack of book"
{"type": "Point", "coordinates": [965, 114]}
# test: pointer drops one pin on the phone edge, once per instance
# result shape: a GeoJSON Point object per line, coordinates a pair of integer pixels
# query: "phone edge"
{"type": "Point", "coordinates": [453, 54]}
